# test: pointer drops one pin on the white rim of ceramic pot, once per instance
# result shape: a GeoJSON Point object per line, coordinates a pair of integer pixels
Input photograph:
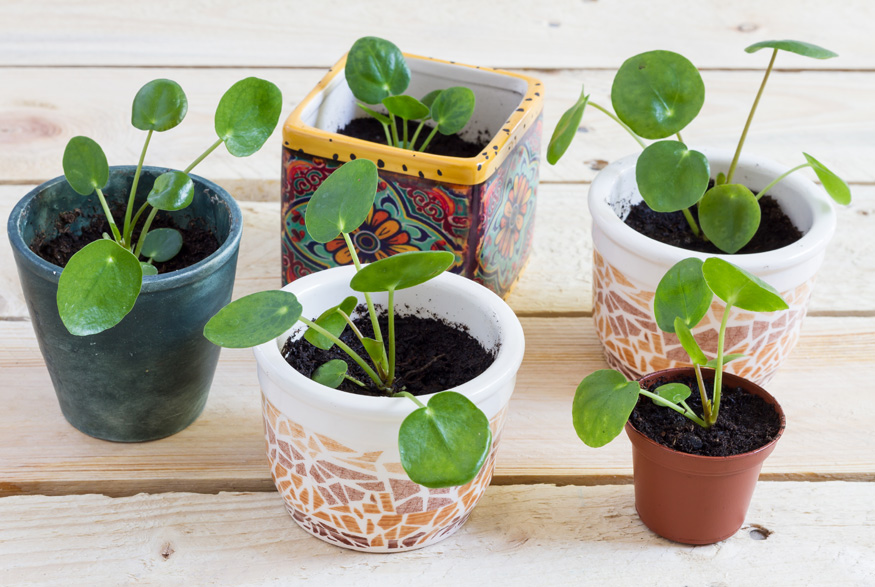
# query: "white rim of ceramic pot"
{"type": "Point", "coordinates": [509, 355]}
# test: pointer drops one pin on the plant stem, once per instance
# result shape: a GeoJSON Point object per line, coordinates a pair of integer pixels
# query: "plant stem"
{"type": "Point", "coordinates": [378, 335]}
{"type": "Point", "coordinates": [203, 155]}
{"type": "Point", "coordinates": [692, 222]}
{"type": "Point", "coordinates": [620, 122]}
{"type": "Point", "coordinates": [343, 346]}
{"type": "Point", "coordinates": [354, 380]}
{"type": "Point", "coordinates": [396, 142]}
{"type": "Point", "coordinates": [703, 396]}
{"type": "Point", "coordinates": [679, 137]}
{"type": "Point", "coordinates": [128, 230]}
{"type": "Point", "coordinates": [142, 240]}
{"type": "Point", "coordinates": [353, 327]}
{"type": "Point", "coordinates": [416, 134]}
{"type": "Point", "coordinates": [779, 178]}
{"type": "Point", "coordinates": [428, 138]}
{"type": "Point", "coordinates": [391, 316]}
{"type": "Point", "coordinates": [411, 397]}
{"type": "Point", "coordinates": [388, 134]}
{"type": "Point", "coordinates": [112, 225]}
{"type": "Point", "coordinates": [664, 402]}
{"type": "Point", "coordinates": [750, 119]}
{"type": "Point", "coordinates": [137, 219]}
{"type": "Point", "coordinates": [718, 373]}
{"type": "Point", "coordinates": [405, 144]}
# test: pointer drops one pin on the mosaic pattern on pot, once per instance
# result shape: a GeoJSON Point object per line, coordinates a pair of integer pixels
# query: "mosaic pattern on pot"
{"type": "Point", "coordinates": [358, 500]}
{"type": "Point", "coordinates": [633, 344]}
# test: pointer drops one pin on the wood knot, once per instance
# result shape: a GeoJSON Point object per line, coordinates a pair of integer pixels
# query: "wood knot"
{"type": "Point", "coordinates": [22, 128]}
{"type": "Point", "coordinates": [167, 550]}
{"type": "Point", "coordinates": [747, 27]}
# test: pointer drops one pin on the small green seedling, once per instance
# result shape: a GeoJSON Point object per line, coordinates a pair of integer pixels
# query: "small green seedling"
{"type": "Point", "coordinates": [377, 73]}
{"type": "Point", "coordinates": [656, 95]}
{"type": "Point", "coordinates": [605, 399]}
{"type": "Point", "coordinates": [442, 444]}
{"type": "Point", "coordinates": [102, 281]}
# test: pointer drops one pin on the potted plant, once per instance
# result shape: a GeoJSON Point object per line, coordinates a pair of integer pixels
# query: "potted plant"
{"type": "Point", "coordinates": [705, 201]}
{"type": "Point", "coordinates": [480, 206]}
{"type": "Point", "coordinates": [118, 305]}
{"type": "Point", "coordinates": [404, 469]}
{"type": "Point", "coordinates": [694, 474]}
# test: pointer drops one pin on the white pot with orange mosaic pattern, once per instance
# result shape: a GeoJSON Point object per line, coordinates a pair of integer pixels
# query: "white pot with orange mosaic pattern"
{"type": "Point", "coordinates": [627, 267]}
{"type": "Point", "coordinates": [334, 455]}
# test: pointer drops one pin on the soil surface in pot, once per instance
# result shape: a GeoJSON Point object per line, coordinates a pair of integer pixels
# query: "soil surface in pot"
{"type": "Point", "coordinates": [369, 129]}
{"type": "Point", "coordinates": [198, 243]}
{"type": "Point", "coordinates": [745, 422]}
{"type": "Point", "coordinates": [431, 354]}
{"type": "Point", "coordinates": [776, 230]}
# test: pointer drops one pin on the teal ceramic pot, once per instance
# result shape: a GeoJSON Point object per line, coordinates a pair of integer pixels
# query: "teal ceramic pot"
{"type": "Point", "coordinates": [149, 376]}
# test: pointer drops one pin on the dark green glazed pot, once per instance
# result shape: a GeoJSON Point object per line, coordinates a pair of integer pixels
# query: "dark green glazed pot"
{"type": "Point", "coordinates": [149, 376]}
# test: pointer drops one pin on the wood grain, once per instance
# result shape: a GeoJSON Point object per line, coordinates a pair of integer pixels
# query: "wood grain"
{"type": "Point", "coordinates": [815, 534]}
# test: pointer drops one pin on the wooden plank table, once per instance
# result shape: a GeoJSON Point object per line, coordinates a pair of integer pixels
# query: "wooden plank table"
{"type": "Point", "coordinates": [199, 507]}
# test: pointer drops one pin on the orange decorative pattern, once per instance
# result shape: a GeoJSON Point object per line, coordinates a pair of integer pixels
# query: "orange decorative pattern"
{"type": "Point", "coordinates": [635, 346]}
{"type": "Point", "coordinates": [359, 500]}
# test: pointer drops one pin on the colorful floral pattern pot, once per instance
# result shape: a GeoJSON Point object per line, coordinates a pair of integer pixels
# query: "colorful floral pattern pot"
{"type": "Point", "coordinates": [334, 455]}
{"type": "Point", "coordinates": [691, 498]}
{"type": "Point", "coordinates": [481, 208]}
{"type": "Point", "coordinates": [627, 267]}
{"type": "Point", "coordinates": [149, 376]}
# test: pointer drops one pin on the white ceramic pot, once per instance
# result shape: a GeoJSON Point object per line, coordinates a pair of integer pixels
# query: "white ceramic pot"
{"type": "Point", "coordinates": [627, 267]}
{"type": "Point", "coordinates": [334, 455]}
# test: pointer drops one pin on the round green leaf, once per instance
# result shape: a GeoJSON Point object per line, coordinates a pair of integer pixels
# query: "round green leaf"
{"type": "Point", "coordinates": [673, 392]}
{"type": "Point", "coordinates": [247, 115]}
{"type": "Point", "coordinates": [430, 97]}
{"type": "Point", "coordinates": [688, 341]}
{"type": "Point", "coordinates": [173, 190]}
{"type": "Point", "coordinates": [342, 201]}
{"type": "Point", "coordinates": [376, 68]}
{"type": "Point", "coordinates": [85, 166]}
{"type": "Point", "coordinates": [253, 319]}
{"type": "Point", "coordinates": [657, 93]}
{"type": "Point", "coordinates": [446, 443]}
{"type": "Point", "coordinates": [148, 268]}
{"type": "Point", "coordinates": [159, 105]}
{"type": "Point", "coordinates": [566, 130]}
{"type": "Point", "coordinates": [729, 215]}
{"type": "Point", "coordinates": [401, 271]}
{"type": "Point", "coordinates": [736, 286]}
{"type": "Point", "coordinates": [98, 287]}
{"type": "Point", "coordinates": [671, 177]}
{"type": "Point", "coordinates": [452, 109]}
{"type": "Point", "coordinates": [407, 107]}
{"type": "Point", "coordinates": [834, 185]}
{"type": "Point", "coordinates": [331, 321]}
{"type": "Point", "coordinates": [162, 244]}
{"type": "Point", "coordinates": [381, 118]}
{"type": "Point", "coordinates": [798, 47]}
{"type": "Point", "coordinates": [682, 293]}
{"type": "Point", "coordinates": [602, 406]}
{"type": "Point", "coordinates": [331, 374]}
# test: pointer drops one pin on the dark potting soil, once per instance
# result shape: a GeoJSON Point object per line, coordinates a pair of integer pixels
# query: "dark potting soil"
{"type": "Point", "coordinates": [431, 354]}
{"type": "Point", "coordinates": [745, 422]}
{"type": "Point", "coordinates": [369, 129]}
{"type": "Point", "coordinates": [198, 243]}
{"type": "Point", "coordinates": [776, 230]}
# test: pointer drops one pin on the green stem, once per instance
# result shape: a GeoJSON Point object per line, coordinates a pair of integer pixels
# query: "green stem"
{"type": "Point", "coordinates": [396, 142]}
{"type": "Point", "coordinates": [391, 316]}
{"type": "Point", "coordinates": [428, 139]}
{"type": "Point", "coordinates": [750, 119]}
{"type": "Point", "coordinates": [664, 402]}
{"type": "Point", "coordinates": [779, 178]}
{"type": "Point", "coordinates": [112, 225]}
{"type": "Point", "coordinates": [358, 333]}
{"type": "Point", "coordinates": [203, 155]}
{"type": "Point", "coordinates": [137, 219]}
{"type": "Point", "coordinates": [378, 335]}
{"type": "Point", "coordinates": [144, 232]}
{"type": "Point", "coordinates": [692, 222]}
{"type": "Point", "coordinates": [411, 397]}
{"type": "Point", "coordinates": [703, 396]}
{"type": "Point", "coordinates": [128, 228]}
{"type": "Point", "coordinates": [354, 380]}
{"type": "Point", "coordinates": [388, 134]}
{"type": "Point", "coordinates": [679, 137]}
{"type": "Point", "coordinates": [718, 373]}
{"type": "Point", "coordinates": [416, 134]}
{"type": "Point", "coordinates": [343, 346]}
{"type": "Point", "coordinates": [405, 145]}
{"type": "Point", "coordinates": [620, 122]}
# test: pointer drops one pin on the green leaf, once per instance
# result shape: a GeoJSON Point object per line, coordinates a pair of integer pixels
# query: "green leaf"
{"type": "Point", "coordinates": [376, 68]}
{"type": "Point", "coordinates": [681, 293]}
{"type": "Point", "coordinates": [446, 443]}
{"type": "Point", "coordinates": [162, 244]}
{"type": "Point", "coordinates": [331, 321]}
{"type": "Point", "coordinates": [834, 185]}
{"type": "Point", "coordinates": [688, 341]}
{"type": "Point", "coordinates": [736, 286]}
{"type": "Point", "coordinates": [374, 348]}
{"type": "Point", "coordinates": [720, 179]}
{"type": "Point", "coordinates": [253, 319]}
{"type": "Point", "coordinates": [798, 47]}
{"type": "Point", "coordinates": [657, 93]}
{"type": "Point", "coordinates": [247, 115]}
{"type": "Point", "coordinates": [173, 190]}
{"type": "Point", "coordinates": [342, 201]}
{"type": "Point", "coordinates": [726, 359]}
{"type": "Point", "coordinates": [430, 97]}
{"type": "Point", "coordinates": [98, 287]}
{"type": "Point", "coordinates": [159, 105]}
{"type": "Point", "coordinates": [381, 118]}
{"type": "Point", "coordinates": [566, 130]}
{"type": "Point", "coordinates": [148, 268]}
{"type": "Point", "coordinates": [602, 406]}
{"type": "Point", "coordinates": [85, 166]}
{"type": "Point", "coordinates": [452, 109]}
{"type": "Point", "coordinates": [401, 271]}
{"type": "Point", "coordinates": [729, 215]}
{"type": "Point", "coordinates": [673, 393]}
{"type": "Point", "coordinates": [331, 374]}
{"type": "Point", "coordinates": [671, 177]}
{"type": "Point", "coordinates": [407, 107]}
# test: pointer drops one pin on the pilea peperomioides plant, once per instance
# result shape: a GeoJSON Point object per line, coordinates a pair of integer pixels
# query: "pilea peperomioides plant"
{"type": "Point", "coordinates": [102, 281]}
{"type": "Point", "coordinates": [656, 95]}
{"type": "Point", "coordinates": [605, 399]}
{"type": "Point", "coordinates": [442, 444]}
{"type": "Point", "coordinates": [377, 73]}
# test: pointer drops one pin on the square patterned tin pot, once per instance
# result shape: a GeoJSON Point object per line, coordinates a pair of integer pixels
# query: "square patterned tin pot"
{"type": "Point", "coordinates": [481, 208]}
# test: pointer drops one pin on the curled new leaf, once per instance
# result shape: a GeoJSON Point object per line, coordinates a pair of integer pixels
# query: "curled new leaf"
{"type": "Point", "coordinates": [401, 271]}
{"type": "Point", "coordinates": [566, 130]}
{"type": "Point", "coordinates": [688, 341]}
{"type": "Point", "coordinates": [85, 166]}
{"type": "Point", "coordinates": [381, 118]}
{"type": "Point", "coordinates": [670, 176]}
{"type": "Point", "coordinates": [159, 106]}
{"type": "Point", "coordinates": [342, 201]}
{"type": "Point", "coordinates": [376, 68]}
{"type": "Point", "coordinates": [834, 185]}
{"type": "Point", "coordinates": [253, 319]}
{"type": "Point", "coordinates": [247, 115]}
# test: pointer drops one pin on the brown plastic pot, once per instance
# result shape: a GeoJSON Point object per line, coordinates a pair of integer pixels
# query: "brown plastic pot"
{"type": "Point", "coordinates": [695, 499]}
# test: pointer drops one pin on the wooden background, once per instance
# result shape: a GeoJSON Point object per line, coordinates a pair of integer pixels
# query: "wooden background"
{"type": "Point", "coordinates": [199, 508]}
